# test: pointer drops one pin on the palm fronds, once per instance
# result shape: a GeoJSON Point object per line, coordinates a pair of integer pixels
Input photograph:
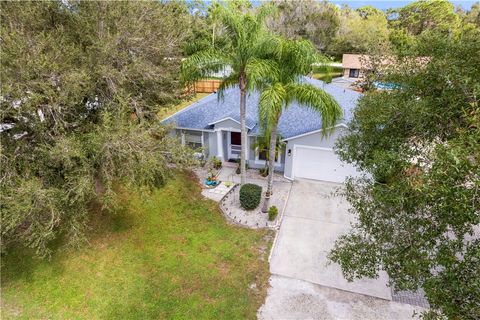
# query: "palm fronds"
{"type": "Point", "coordinates": [260, 71]}
{"type": "Point", "coordinates": [203, 63]}
{"type": "Point", "coordinates": [316, 99]}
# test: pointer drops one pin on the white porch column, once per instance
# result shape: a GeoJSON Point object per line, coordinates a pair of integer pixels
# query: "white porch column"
{"type": "Point", "coordinates": [205, 151]}
{"type": "Point", "coordinates": [220, 145]}
{"type": "Point", "coordinates": [183, 137]}
{"type": "Point", "coordinates": [247, 149]}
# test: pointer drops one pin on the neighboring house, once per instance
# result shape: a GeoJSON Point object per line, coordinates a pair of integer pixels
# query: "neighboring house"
{"type": "Point", "coordinates": [354, 66]}
{"type": "Point", "coordinates": [214, 125]}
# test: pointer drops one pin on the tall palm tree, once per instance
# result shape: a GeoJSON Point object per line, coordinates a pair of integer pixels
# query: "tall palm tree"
{"type": "Point", "coordinates": [294, 60]}
{"type": "Point", "coordinates": [247, 56]}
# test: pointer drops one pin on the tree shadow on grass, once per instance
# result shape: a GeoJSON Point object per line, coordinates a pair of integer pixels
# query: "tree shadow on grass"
{"type": "Point", "coordinates": [102, 221]}
{"type": "Point", "coordinates": [21, 263]}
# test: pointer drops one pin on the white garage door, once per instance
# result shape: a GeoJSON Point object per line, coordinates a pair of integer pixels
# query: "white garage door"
{"type": "Point", "coordinates": [320, 164]}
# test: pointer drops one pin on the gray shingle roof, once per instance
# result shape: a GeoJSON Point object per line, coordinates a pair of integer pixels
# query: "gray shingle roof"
{"type": "Point", "coordinates": [296, 120]}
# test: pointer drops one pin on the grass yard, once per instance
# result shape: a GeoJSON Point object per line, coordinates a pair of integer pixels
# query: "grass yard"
{"type": "Point", "coordinates": [326, 73]}
{"type": "Point", "coordinates": [165, 112]}
{"type": "Point", "coordinates": [326, 77]}
{"type": "Point", "coordinates": [168, 255]}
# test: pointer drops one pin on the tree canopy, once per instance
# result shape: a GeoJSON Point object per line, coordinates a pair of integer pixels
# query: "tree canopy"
{"type": "Point", "coordinates": [418, 208]}
{"type": "Point", "coordinates": [364, 30]}
{"type": "Point", "coordinates": [312, 20]}
{"type": "Point", "coordinates": [81, 83]}
{"type": "Point", "coordinates": [420, 16]}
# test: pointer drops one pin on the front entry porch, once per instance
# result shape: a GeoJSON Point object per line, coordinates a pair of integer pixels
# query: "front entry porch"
{"type": "Point", "coordinates": [229, 145]}
{"type": "Point", "coordinates": [234, 145]}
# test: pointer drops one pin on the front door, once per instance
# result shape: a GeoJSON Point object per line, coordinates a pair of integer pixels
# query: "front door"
{"type": "Point", "coordinates": [234, 145]}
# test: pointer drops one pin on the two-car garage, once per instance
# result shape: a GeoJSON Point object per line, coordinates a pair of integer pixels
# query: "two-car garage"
{"type": "Point", "coordinates": [311, 156]}
{"type": "Point", "coordinates": [319, 164]}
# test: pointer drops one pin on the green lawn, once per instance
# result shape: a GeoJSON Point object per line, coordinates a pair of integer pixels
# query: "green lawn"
{"type": "Point", "coordinates": [326, 73]}
{"type": "Point", "coordinates": [326, 77]}
{"type": "Point", "coordinates": [169, 254]}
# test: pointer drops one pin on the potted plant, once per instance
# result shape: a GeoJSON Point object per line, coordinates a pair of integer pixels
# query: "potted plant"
{"type": "Point", "coordinates": [238, 168]}
{"type": "Point", "coordinates": [264, 171]}
{"type": "Point", "coordinates": [216, 163]}
{"type": "Point", "coordinates": [211, 180]}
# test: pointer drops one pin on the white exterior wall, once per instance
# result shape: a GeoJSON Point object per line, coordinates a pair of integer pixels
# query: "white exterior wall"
{"type": "Point", "coordinates": [228, 125]}
{"type": "Point", "coordinates": [313, 140]}
{"type": "Point", "coordinates": [209, 140]}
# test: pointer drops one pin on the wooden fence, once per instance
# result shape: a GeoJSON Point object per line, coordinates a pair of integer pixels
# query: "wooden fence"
{"type": "Point", "coordinates": [207, 85]}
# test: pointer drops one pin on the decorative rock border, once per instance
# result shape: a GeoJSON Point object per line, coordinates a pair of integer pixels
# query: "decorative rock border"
{"type": "Point", "coordinates": [229, 202]}
{"type": "Point", "coordinates": [254, 219]}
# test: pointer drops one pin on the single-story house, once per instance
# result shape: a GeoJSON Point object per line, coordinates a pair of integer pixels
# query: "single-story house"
{"type": "Point", "coordinates": [214, 125]}
{"type": "Point", "coordinates": [354, 65]}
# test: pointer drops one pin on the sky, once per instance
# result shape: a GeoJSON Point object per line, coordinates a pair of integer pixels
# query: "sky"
{"type": "Point", "coordinates": [383, 5]}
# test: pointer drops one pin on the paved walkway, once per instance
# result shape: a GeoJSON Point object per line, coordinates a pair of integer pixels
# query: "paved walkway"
{"type": "Point", "coordinates": [228, 173]}
{"type": "Point", "coordinates": [217, 193]}
{"type": "Point", "coordinates": [229, 178]}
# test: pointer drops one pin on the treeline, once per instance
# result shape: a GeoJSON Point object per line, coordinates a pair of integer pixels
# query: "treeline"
{"type": "Point", "coordinates": [369, 30]}
{"type": "Point", "coordinates": [336, 30]}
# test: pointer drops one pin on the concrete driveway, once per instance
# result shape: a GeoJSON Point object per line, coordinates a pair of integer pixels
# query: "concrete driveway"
{"type": "Point", "coordinates": [314, 218]}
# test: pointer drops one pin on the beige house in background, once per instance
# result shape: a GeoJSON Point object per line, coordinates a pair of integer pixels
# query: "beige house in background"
{"type": "Point", "coordinates": [354, 65]}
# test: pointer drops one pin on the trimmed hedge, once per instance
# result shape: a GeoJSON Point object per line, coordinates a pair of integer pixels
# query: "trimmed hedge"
{"type": "Point", "coordinates": [250, 195]}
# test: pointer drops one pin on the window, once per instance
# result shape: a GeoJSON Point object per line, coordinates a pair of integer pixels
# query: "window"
{"type": "Point", "coordinates": [262, 155]}
{"type": "Point", "coordinates": [193, 140]}
{"type": "Point", "coordinates": [354, 73]}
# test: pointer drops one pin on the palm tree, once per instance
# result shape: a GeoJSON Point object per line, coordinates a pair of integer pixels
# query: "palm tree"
{"type": "Point", "coordinates": [247, 56]}
{"type": "Point", "coordinates": [294, 59]}
{"type": "Point", "coordinates": [262, 144]}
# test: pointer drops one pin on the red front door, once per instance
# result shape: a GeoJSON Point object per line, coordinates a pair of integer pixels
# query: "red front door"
{"type": "Point", "coordinates": [235, 138]}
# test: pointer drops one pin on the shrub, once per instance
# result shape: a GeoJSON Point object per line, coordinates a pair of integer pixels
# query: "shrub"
{"type": "Point", "coordinates": [272, 213]}
{"type": "Point", "coordinates": [216, 163]}
{"type": "Point", "coordinates": [250, 195]}
{"type": "Point", "coordinates": [238, 171]}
